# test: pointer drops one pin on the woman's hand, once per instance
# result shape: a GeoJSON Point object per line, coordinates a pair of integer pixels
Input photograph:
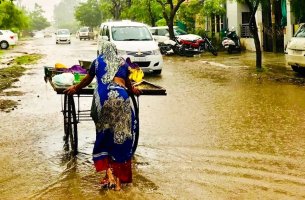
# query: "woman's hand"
{"type": "Point", "coordinates": [136, 90]}
{"type": "Point", "coordinates": [70, 90]}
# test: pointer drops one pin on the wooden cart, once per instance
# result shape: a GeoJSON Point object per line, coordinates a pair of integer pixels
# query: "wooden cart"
{"type": "Point", "coordinates": [72, 115]}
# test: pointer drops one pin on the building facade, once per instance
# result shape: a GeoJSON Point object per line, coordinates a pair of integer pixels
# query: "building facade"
{"type": "Point", "coordinates": [238, 16]}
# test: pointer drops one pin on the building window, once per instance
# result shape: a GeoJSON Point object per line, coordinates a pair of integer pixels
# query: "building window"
{"type": "Point", "coordinates": [245, 28]}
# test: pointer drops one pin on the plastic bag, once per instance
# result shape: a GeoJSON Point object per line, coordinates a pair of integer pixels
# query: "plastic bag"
{"type": "Point", "coordinates": [63, 79]}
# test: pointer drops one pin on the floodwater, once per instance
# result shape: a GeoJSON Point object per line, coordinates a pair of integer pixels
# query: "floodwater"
{"type": "Point", "coordinates": [224, 131]}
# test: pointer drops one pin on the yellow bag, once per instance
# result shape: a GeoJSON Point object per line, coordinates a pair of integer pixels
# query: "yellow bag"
{"type": "Point", "coordinates": [136, 74]}
{"type": "Point", "coordinates": [60, 66]}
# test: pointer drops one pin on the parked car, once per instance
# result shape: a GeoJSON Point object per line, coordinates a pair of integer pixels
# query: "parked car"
{"type": "Point", "coordinates": [7, 38]}
{"type": "Point", "coordinates": [86, 33]}
{"type": "Point", "coordinates": [38, 34]}
{"type": "Point", "coordinates": [134, 40]}
{"type": "Point", "coordinates": [161, 34]}
{"type": "Point", "coordinates": [47, 34]}
{"type": "Point", "coordinates": [295, 50]}
{"type": "Point", "coordinates": [63, 36]}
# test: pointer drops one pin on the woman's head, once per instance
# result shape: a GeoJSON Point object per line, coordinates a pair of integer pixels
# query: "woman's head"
{"type": "Point", "coordinates": [108, 52]}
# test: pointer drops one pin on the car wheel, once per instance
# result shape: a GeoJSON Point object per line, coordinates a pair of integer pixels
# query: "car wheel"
{"type": "Point", "coordinates": [56, 42]}
{"type": "Point", "coordinates": [295, 68]}
{"type": "Point", "coordinates": [4, 44]}
{"type": "Point", "coordinates": [157, 71]}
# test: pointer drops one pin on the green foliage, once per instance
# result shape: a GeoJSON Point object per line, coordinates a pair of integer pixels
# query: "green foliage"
{"type": "Point", "coordinates": [161, 22]}
{"type": "Point", "coordinates": [12, 17]}
{"type": "Point", "coordinates": [112, 9]}
{"type": "Point", "coordinates": [89, 13]}
{"type": "Point", "coordinates": [27, 59]}
{"type": "Point", "coordinates": [187, 14]}
{"type": "Point", "coordinates": [298, 7]}
{"type": "Point", "coordinates": [213, 7]}
{"type": "Point", "coordinates": [38, 21]}
{"type": "Point", "coordinates": [105, 7]}
{"type": "Point", "coordinates": [146, 11]}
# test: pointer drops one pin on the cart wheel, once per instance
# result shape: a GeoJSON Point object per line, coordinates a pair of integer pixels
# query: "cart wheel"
{"type": "Point", "coordinates": [135, 104]}
{"type": "Point", "coordinates": [70, 125]}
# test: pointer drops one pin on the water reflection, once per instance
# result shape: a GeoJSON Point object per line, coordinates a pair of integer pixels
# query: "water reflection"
{"type": "Point", "coordinates": [224, 131]}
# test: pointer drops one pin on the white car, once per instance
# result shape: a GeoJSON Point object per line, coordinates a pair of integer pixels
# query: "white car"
{"type": "Point", "coordinates": [63, 36]}
{"type": "Point", "coordinates": [86, 33]}
{"type": "Point", "coordinates": [7, 38]}
{"type": "Point", "coordinates": [134, 40]}
{"type": "Point", "coordinates": [161, 34]}
{"type": "Point", "coordinates": [295, 50]}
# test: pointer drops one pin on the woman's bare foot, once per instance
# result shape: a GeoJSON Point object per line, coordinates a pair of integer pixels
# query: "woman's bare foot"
{"type": "Point", "coordinates": [112, 182]}
{"type": "Point", "coordinates": [118, 185]}
{"type": "Point", "coordinates": [105, 182]}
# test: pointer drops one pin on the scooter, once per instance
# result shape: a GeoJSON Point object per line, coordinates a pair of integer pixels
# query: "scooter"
{"type": "Point", "coordinates": [231, 42]}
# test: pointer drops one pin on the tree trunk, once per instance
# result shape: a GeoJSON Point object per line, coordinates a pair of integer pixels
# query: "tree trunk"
{"type": "Point", "coordinates": [170, 25]}
{"type": "Point", "coordinates": [257, 45]}
{"type": "Point", "coordinates": [254, 31]}
{"type": "Point", "coordinates": [273, 26]}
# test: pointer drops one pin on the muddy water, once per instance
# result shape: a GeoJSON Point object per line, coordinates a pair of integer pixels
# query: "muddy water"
{"type": "Point", "coordinates": [224, 131]}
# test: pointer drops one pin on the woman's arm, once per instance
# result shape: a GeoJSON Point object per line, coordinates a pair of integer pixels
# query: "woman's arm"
{"type": "Point", "coordinates": [75, 88]}
{"type": "Point", "coordinates": [132, 88]}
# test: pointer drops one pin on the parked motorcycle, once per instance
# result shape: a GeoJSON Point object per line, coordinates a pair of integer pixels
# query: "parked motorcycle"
{"type": "Point", "coordinates": [231, 42]}
{"type": "Point", "coordinates": [185, 47]}
{"type": "Point", "coordinates": [166, 47]}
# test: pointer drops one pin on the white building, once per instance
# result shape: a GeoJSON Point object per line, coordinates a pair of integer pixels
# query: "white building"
{"type": "Point", "coordinates": [238, 16]}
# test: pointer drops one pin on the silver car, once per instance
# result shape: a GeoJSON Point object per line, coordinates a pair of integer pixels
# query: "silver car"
{"type": "Point", "coordinates": [63, 36]}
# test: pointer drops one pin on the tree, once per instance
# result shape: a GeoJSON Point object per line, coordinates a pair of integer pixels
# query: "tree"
{"type": "Point", "coordinates": [89, 14]}
{"type": "Point", "coordinates": [169, 11]}
{"type": "Point", "coordinates": [113, 8]}
{"type": "Point", "coordinates": [298, 7]}
{"type": "Point", "coordinates": [146, 11]}
{"type": "Point", "coordinates": [253, 6]}
{"type": "Point", "coordinates": [12, 17]}
{"type": "Point", "coordinates": [37, 20]}
{"type": "Point", "coordinates": [188, 12]}
{"type": "Point", "coordinates": [6, 0]}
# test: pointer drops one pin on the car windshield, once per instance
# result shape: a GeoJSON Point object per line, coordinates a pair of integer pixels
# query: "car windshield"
{"type": "Point", "coordinates": [63, 32]}
{"type": "Point", "coordinates": [300, 32]}
{"type": "Point", "coordinates": [84, 29]}
{"type": "Point", "coordinates": [131, 33]}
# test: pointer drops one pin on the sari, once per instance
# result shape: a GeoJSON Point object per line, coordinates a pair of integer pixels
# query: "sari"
{"type": "Point", "coordinates": [113, 114]}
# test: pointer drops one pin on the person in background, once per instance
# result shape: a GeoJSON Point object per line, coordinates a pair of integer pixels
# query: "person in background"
{"type": "Point", "coordinates": [113, 114]}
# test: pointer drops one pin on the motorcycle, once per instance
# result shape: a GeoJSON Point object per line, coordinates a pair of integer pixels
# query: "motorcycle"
{"type": "Point", "coordinates": [166, 47]}
{"type": "Point", "coordinates": [185, 47]}
{"type": "Point", "coordinates": [231, 42]}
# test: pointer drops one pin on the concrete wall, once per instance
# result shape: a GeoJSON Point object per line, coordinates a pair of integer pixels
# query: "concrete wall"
{"type": "Point", "coordinates": [234, 15]}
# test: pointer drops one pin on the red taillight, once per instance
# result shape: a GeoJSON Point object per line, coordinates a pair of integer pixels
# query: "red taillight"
{"type": "Point", "coordinates": [12, 37]}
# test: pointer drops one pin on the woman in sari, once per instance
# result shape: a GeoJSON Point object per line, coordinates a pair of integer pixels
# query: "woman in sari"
{"type": "Point", "coordinates": [113, 115]}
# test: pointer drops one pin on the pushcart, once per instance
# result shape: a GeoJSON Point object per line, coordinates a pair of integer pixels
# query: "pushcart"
{"type": "Point", "coordinates": [73, 114]}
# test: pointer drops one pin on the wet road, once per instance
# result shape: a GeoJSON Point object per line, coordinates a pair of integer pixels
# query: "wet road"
{"type": "Point", "coordinates": [224, 131]}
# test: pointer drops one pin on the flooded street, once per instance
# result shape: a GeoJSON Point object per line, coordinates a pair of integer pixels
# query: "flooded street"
{"type": "Point", "coordinates": [224, 131]}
